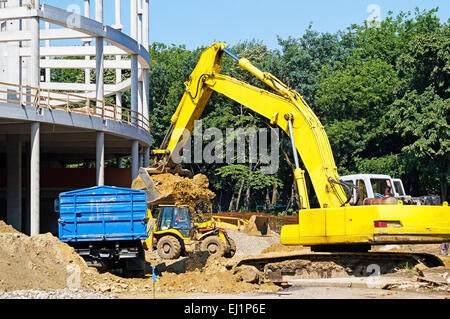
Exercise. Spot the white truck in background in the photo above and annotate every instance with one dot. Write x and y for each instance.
(381, 186)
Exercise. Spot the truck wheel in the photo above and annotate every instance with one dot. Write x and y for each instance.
(213, 245)
(168, 247)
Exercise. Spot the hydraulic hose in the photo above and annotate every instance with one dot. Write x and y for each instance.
(348, 187)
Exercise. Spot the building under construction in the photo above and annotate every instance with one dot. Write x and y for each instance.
(58, 136)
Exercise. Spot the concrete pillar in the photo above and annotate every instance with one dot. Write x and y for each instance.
(145, 24)
(99, 65)
(134, 88)
(87, 42)
(99, 78)
(146, 96)
(34, 178)
(100, 159)
(14, 181)
(47, 44)
(146, 162)
(34, 71)
(134, 160)
(133, 19)
(145, 43)
(118, 26)
(99, 10)
(140, 102)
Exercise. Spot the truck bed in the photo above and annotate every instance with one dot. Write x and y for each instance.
(102, 213)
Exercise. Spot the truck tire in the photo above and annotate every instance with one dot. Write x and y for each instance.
(168, 247)
(213, 245)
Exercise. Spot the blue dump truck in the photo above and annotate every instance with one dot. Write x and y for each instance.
(106, 226)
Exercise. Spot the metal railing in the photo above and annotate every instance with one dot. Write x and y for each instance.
(70, 102)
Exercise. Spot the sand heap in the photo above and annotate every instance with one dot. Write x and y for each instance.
(180, 190)
(38, 262)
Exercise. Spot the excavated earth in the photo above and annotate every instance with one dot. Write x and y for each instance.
(192, 192)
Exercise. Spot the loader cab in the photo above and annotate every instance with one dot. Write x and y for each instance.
(173, 217)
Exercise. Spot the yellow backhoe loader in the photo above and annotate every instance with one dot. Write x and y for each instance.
(174, 233)
(336, 231)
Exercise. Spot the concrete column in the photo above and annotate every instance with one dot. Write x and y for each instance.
(118, 26)
(140, 102)
(99, 10)
(34, 69)
(133, 19)
(14, 181)
(134, 160)
(145, 24)
(100, 159)
(146, 96)
(99, 65)
(87, 42)
(145, 43)
(47, 44)
(141, 159)
(134, 88)
(146, 162)
(99, 69)
(34, 179)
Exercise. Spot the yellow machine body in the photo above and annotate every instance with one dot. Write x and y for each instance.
(357, 225)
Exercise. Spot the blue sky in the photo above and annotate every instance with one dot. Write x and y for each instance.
(197, 23)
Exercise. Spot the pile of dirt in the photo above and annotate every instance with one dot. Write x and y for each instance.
(38, 262)
(5, 228)
(191, 192)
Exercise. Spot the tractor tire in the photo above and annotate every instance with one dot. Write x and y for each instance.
(168, 247)
(232, 251)
(213, 245)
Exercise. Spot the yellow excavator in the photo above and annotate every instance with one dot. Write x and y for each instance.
(336, 231)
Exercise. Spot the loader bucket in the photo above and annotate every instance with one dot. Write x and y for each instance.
(258, 226)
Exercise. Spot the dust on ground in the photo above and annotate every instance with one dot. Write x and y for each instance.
(180, 190)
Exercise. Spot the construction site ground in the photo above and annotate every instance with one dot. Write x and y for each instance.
(43, 267)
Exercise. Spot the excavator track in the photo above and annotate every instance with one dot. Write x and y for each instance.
(284, 267)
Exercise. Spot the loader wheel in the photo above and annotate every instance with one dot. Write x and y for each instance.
(168, 247)
(213, 245)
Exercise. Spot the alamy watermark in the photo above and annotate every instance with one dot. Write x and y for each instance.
(263, 146)
(73, 280)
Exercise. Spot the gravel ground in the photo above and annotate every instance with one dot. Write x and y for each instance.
(252, 245)
(56, 294)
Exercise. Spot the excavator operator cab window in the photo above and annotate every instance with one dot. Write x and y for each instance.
(381, 188)
(362, 191)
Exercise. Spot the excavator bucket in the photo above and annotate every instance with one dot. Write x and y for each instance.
(145, 182)
(258, 226)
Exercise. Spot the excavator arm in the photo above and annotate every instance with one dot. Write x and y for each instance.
(283, 107)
